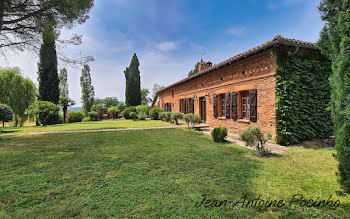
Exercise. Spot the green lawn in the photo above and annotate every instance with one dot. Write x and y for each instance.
(105, 124)
(156, 174)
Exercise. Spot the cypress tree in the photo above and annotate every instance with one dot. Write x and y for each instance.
(87, 90)
(47, 67)
(133, 84)
(335, 42)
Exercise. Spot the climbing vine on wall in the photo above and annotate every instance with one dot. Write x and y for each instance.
(302, 98)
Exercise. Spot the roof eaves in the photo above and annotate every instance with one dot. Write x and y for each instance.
(276, 40)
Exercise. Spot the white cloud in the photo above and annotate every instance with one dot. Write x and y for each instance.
(167, 46)
(236, 31)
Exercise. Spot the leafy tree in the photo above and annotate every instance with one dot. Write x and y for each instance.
(335, 42)
(107, 101)
(6, 114)
(65, 102)
(21, 20)
(63, 85)
(145, 100)
(47, 67)
(133, 84)
(17, 92)
(142, 108)
(87, 90)
(195, 70)
(176, 116)
(42, 111)
(95, 107)
(110, 101)
(121, 106)
(156, 88)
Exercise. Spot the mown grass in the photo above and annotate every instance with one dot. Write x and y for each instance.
(156, 174)
(105, 124)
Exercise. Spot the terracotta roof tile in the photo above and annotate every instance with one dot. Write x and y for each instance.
(278, 39)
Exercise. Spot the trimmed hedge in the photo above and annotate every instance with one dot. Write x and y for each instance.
(219, 134)
(302, 98)
(75, 116)
(126, 112)
(154, 113)
(175, 116)
(93, 116)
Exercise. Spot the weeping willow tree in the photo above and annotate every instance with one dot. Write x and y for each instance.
(16, 92)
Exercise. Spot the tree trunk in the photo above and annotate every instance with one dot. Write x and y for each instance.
(2, 10)
(3, 124)
(64, 113)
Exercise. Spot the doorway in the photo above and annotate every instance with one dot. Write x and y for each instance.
(203, 108)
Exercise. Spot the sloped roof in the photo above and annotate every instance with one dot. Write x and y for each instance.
(278, 39)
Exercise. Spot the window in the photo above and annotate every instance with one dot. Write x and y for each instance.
(236, 105)
(185, 105)
(245, 105)
(191, 100)
(222, 105)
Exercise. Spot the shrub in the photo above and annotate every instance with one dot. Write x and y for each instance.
(115, 111)
(141, 108)
(167, 116)
(142, 116)
(93, 116)
(192, 119)
(75, 116)
(121, 106)
(133, 115)
(162, 115)
(126, 112)
(95, 107)
(154, 113)
(45, 112)
(86, 119)
(61, 117)
(253, 136)
(219, 134)
(176, 116)
(6, 114)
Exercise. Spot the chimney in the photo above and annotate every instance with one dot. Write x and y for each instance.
(204, 65)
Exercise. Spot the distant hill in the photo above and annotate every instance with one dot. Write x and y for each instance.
(75, 109)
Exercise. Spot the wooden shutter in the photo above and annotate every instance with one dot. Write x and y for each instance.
(215, 105)
(192, 105)
(227, 105)
(186, 105)
(253, 105)
(234, 96)
(180, 105)
(169, 107)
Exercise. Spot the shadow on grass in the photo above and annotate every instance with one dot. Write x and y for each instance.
(158, 173)
(9, 131)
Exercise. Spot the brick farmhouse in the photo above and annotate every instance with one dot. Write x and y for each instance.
(236, 93)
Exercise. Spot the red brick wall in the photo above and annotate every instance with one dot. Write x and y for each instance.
(255, 72)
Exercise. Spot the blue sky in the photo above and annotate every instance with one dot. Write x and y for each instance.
(168, 35)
